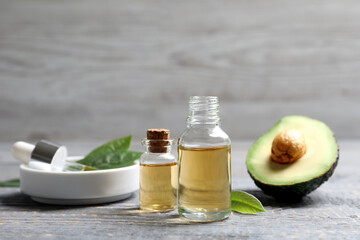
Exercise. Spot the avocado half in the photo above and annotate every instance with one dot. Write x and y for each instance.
(292, 181)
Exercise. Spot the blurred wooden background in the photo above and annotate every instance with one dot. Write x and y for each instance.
(80, 70)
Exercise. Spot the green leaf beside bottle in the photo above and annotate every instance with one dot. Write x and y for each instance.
(112, 154)
(245, 203)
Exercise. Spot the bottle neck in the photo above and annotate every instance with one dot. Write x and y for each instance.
(152, 149)
(203, 110)
(157, 146)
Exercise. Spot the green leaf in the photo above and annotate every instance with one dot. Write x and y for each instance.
(113, 154)
(10, 183)
(110, 160)
(78, 167)
(72, 168)
(88, 168)
(243, 202)
(115, 145)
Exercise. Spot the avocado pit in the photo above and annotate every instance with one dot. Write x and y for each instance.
(288, 146)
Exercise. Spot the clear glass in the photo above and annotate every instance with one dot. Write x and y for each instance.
(204, 153)
(158, 177)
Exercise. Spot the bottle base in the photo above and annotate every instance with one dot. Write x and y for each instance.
(157, 210)
(203, 217)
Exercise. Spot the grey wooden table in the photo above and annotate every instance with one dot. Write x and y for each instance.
(331, 212)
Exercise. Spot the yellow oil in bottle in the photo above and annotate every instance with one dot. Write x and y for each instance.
(158, 186)
(204, 180)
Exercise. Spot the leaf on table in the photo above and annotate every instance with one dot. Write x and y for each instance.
(243, 202)
(110, 160)
(10, 183)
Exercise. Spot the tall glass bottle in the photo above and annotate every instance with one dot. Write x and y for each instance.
(204, 179)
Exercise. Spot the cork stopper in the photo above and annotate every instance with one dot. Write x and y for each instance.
(155, 136)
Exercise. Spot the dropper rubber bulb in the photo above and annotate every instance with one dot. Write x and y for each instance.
(43, 151)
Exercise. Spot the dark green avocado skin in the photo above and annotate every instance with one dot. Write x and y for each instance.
(292, 193)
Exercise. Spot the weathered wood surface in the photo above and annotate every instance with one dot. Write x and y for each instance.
(331, 212)
(102, 69)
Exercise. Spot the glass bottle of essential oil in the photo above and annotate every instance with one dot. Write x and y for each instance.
(158, 172)
(204, 149)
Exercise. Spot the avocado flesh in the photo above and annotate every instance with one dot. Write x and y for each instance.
(299, 178)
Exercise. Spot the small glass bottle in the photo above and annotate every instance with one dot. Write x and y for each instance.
(158, 172)
(204, 181)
